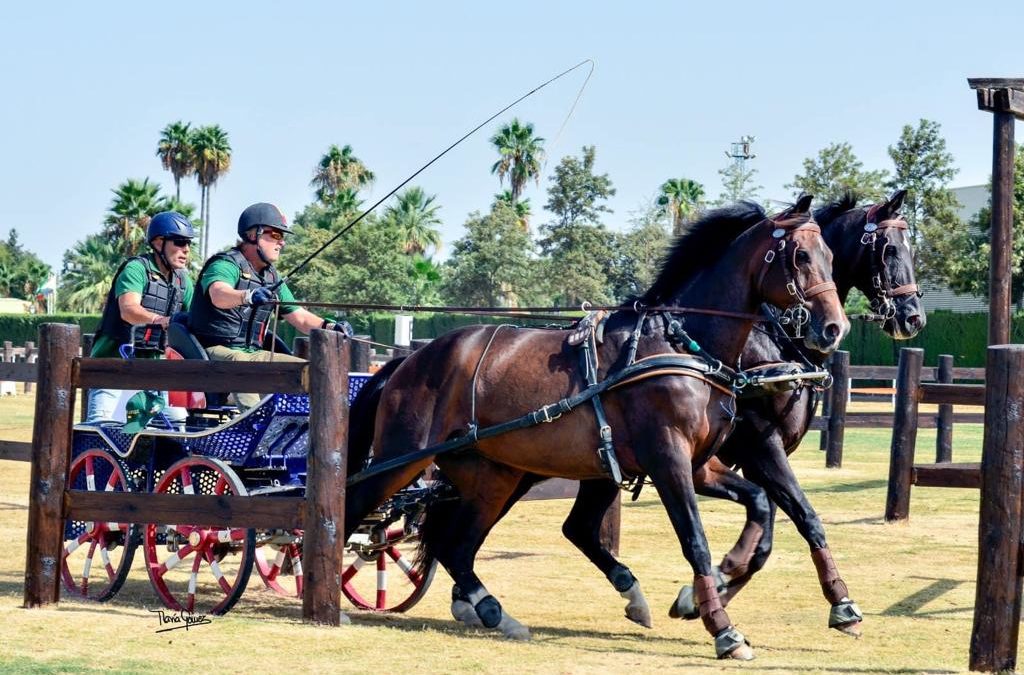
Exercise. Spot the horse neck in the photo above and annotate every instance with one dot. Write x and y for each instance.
(842, 236)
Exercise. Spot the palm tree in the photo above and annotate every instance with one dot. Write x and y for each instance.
(522, 208)
(683, 199)
(176, 153)
(128, 215)
(338, 170)
(521, 155)
(88, 274)
(213, 160)
(414, 214)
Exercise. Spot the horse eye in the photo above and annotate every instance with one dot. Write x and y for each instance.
(802, 257)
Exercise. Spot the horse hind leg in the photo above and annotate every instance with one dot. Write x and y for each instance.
(583, 528)
(454, 530)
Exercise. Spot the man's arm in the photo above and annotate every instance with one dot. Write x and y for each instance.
(303, 319)
(132, 311)
(224, 296)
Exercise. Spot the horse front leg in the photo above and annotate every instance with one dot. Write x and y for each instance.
(672, 475)
(748, 554)
(772, 471)
(583, 528)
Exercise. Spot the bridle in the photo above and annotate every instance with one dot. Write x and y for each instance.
(796, 314)
(882, 304)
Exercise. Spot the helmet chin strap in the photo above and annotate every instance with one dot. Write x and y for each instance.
(256, 242)
(163, 257)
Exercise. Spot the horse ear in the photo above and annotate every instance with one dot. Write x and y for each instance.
(803, 204)
(896, 201)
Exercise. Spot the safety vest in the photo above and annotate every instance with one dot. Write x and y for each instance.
(242, 326)
(159, 295)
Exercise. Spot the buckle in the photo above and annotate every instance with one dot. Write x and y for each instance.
(791, 287)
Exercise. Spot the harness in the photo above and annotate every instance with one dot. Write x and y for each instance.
(882, 304)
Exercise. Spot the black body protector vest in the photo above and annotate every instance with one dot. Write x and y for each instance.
(243, 326)
(159, 295)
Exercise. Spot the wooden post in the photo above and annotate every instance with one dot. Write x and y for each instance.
(324, 539)
(944, 421)
(87, 340)
(1001, 233)
(904, 435)
(361, 354)
(300, 347)
(826, 410)
(51, 450)
(998, 595)
(31, 356)
(837, 420)
(8, 357)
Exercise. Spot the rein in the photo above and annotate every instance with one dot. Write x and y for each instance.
(882, 304)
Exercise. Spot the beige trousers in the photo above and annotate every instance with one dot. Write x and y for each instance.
(245, 400)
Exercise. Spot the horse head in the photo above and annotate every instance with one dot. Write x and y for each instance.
(795, 273)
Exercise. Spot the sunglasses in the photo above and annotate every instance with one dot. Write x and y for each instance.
(274, 234)
(180, 242)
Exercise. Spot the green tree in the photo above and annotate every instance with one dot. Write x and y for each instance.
(522, 207)
(493, 264)
(339, 169)
(578, 257)
(88, 273)
(176, 152)
(414, 214)
(835, 170)
(924, 169)
(738, 183)
(576, 192)
(212, 161)
(134, 203)
(959, 256)
(521, 155)
(639, 252)
(683, 199)
(21, 271)
(425, 281)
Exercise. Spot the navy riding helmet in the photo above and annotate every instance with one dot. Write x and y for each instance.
(262, 215)
(169, 224)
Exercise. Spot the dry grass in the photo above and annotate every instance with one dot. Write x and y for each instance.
(915, 584)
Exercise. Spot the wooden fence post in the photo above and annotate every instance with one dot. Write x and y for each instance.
(998, 595)
(324, 539)
(31, 356)
(826, 410)
(837, 420)
(300, 347)
(944, 420)
(904, 435)
(51, 449)
(361, 354)
(87, 340)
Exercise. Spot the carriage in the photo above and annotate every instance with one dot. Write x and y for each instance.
(216, 451)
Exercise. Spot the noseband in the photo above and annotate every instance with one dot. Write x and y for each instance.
(882, 304)
(796, 314)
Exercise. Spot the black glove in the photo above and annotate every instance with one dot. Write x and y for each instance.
(343, 327)
(258, 296)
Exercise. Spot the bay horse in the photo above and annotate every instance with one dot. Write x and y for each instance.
(664, 424)
(872, 252)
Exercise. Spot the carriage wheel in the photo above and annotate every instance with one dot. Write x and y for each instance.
(97, 555)
(385, 579)
(199, 568)
(279, 564)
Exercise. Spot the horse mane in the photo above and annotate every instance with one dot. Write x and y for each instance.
(828, 213)
(700, 246)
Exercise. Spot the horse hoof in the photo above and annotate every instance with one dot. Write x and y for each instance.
(514, 630)
(637, 609)
(730, 644)
(343, 619)
(464, 612)
(684, 607)
(851, 629)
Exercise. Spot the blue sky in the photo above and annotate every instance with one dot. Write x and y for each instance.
(88, 87)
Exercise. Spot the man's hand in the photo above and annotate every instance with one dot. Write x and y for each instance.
(343, 327)
(258, 296)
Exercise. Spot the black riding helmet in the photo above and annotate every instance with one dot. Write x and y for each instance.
(262, 215)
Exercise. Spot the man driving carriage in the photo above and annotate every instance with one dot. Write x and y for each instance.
(147, 289)
(232, 312)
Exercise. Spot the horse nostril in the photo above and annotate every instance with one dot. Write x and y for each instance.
(832, 332)
(914, 321)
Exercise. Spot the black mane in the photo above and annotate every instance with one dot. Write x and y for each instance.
(828, 213)
(700, 246)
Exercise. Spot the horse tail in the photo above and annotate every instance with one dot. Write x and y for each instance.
(434, 528)
(362, 416)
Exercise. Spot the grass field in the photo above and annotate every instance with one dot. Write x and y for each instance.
(914, 583)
